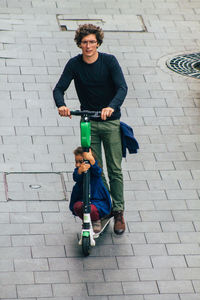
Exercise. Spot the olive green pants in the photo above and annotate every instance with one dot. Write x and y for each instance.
(108, 134)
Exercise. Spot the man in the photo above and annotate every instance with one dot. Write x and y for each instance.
(100, 86)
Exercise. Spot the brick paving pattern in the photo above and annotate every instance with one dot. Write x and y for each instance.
(158, 257)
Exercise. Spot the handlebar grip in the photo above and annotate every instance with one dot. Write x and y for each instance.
(94, 114)
(75, 112)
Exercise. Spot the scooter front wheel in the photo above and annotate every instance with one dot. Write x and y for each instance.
(86, 245)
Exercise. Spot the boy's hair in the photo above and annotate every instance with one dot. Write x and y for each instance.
(78, 151)
(86, 29)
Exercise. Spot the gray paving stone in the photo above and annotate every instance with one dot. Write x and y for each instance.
(190, 215)
(27, 265)
(113, 288)
(40, 290)
(186, 273)
(154, 216)
(4, 217)
(45, 228)
(162, 297)
(151, 165)
(150, 195)
(134, 262)
(193, 260)
(10, 229)
(181, 194)
(197, 226)
(140, 287)
(177, 226)
(69, 289)
(38, 206)
(13, 207)
(191, 237)
(144, 226)
(10, 278)
(175, 286)
(183, 249)
(8, 291)
(162, 237)
(29, 130)
(171, 184)
(48, 251)
(129, 238)
(51, 277)
(60, 239)
(85, 276)
(15, 252)
(6, 265)
(55, 217)
(63, 264)
(5, 241)
(139, 205)
(155, 274)
(121, 275)
(28, 240)
(126, 297)
(149, 249)
(168, 261)
(196, 284)
(191, 296)
(170, 205)
(56, 298)
(25, 218)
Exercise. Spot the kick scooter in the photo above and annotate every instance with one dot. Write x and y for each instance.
(88, 236)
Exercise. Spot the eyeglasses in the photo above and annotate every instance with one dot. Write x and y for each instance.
(92, 42)
(80, 161)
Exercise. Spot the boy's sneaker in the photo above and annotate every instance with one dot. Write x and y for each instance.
(119, 223)
(96, 226)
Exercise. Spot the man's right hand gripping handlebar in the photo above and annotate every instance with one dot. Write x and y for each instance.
(64, 111)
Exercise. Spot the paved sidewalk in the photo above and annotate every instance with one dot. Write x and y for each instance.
(158, 258)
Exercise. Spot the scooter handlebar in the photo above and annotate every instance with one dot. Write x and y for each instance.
(94, 114)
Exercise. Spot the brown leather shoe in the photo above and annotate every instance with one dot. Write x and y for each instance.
(119, 223)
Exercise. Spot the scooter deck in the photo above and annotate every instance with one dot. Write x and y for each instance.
(104, 223)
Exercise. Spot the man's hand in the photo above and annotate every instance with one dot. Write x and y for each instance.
(106, 113)
(64, 111)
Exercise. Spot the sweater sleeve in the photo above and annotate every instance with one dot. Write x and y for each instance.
(63, 84)
(77, 177)
(96, 170)
(119, 82)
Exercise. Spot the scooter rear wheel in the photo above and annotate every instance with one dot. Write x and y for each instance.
(86, 245)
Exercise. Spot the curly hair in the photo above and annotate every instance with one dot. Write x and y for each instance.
(86, 29)
(79, 151)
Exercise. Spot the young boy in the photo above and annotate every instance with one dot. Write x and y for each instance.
(99, 197)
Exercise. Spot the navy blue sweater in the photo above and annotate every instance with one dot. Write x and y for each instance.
(98, 85)
(100, 196)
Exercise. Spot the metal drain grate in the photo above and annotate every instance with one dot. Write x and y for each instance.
(187, 64)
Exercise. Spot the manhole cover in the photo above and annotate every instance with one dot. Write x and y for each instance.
(187, 64)
(36, 186)
(114, 23)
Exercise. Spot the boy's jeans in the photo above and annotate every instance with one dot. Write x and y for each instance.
(108, 133)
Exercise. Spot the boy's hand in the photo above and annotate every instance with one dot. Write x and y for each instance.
(83, 168)
(64, 111)
(89, 156)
